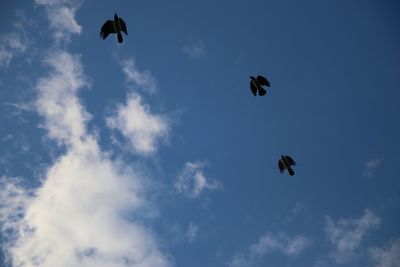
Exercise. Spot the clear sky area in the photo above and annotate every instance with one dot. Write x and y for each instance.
(154, 152)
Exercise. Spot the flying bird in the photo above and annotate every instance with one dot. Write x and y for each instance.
(285, 162)
(114, 26)
(257, 83)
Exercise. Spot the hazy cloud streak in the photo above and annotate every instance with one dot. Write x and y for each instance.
(142, 79)
(61, 16)
(346, 234)
(194, 50)
(191, 182)
(269, 243)
(389, 256)
(192, 231)
(371, 166)
(10, 45)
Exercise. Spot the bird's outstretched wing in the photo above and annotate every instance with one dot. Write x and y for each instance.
(253, 88)
(281, 166)
(106, 29)
(261, 91)
(123, 26)
(290, 160)
(262, 80)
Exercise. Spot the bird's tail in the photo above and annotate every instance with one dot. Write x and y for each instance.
(261, 91)
(291, 172)
(119, 37)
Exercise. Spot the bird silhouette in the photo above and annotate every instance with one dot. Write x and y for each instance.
(285, 162)
(257, 83)
(114, 26)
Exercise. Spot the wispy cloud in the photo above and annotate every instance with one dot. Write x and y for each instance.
(299, 209)
(194, 49)
(11, 44)
(282, 243)
(134, 119)
(192, 182)
(141, 79)
(64, 116)
(389, 256)
(5, 57)
(371, 166)
(54, 2)
(61, 16)
(270, 243)
(14, 199)
(138, 125)
(63, 20)
(192, 231)
(346, 235)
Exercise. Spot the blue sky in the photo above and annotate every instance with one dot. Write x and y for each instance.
(154, 152)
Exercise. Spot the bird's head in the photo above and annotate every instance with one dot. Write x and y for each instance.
(282, 157)
(251, 77)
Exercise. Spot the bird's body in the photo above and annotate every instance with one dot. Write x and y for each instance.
(285, 162)
(114, 26)
(256, 84)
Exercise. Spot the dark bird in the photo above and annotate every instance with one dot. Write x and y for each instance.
(257, 83)
(114, 26)
(285, 162)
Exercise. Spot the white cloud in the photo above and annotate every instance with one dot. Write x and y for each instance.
(136, 122)
(346, 234)
(388, 256)
(270, 243)
(57, 101)
(192, 231)
(63, 19)
(370, 166)
(191, 182)
(61, 15)
(194, 50)
(84, 205)
(90, 209)
(142, 79)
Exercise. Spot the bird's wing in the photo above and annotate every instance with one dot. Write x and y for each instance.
(253, 88)
(281, 165)
(106, 29)
(262, 80)
(123, 26)
(261, 91)
(290, 160)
